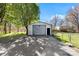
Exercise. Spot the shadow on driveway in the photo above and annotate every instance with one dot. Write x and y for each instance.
(32, 46)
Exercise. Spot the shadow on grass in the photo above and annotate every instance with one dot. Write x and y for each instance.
(57, 37)
(11, 38)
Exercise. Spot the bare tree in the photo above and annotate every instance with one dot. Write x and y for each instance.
(73, 17)
(54, 21)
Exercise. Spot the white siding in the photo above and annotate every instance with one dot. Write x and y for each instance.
(29, 29)
(41, 31)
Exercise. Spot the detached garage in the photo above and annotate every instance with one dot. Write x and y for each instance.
(40, 28)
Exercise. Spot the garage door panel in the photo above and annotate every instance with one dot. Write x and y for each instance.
(39, 30)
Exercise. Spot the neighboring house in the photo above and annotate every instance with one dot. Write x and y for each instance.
(40, 28)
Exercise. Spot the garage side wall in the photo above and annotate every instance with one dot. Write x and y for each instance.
(29, 29)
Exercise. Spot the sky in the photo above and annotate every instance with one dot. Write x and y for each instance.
(48, 10)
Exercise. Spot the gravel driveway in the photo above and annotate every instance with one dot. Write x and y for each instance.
(35, 46)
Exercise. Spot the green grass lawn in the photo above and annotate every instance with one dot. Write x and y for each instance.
(65, 38)
(11, 36)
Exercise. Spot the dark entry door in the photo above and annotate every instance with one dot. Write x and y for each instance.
(48, 31)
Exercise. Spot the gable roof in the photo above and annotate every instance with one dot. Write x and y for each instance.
(41, 22)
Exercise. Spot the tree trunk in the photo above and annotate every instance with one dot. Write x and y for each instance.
(9, 28)
(26, 30)
(17, 29)
(77, 29)
(5, 27)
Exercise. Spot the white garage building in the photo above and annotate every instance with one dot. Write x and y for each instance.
(40, 28)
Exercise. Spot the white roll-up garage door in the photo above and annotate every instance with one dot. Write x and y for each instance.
(39, 30)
